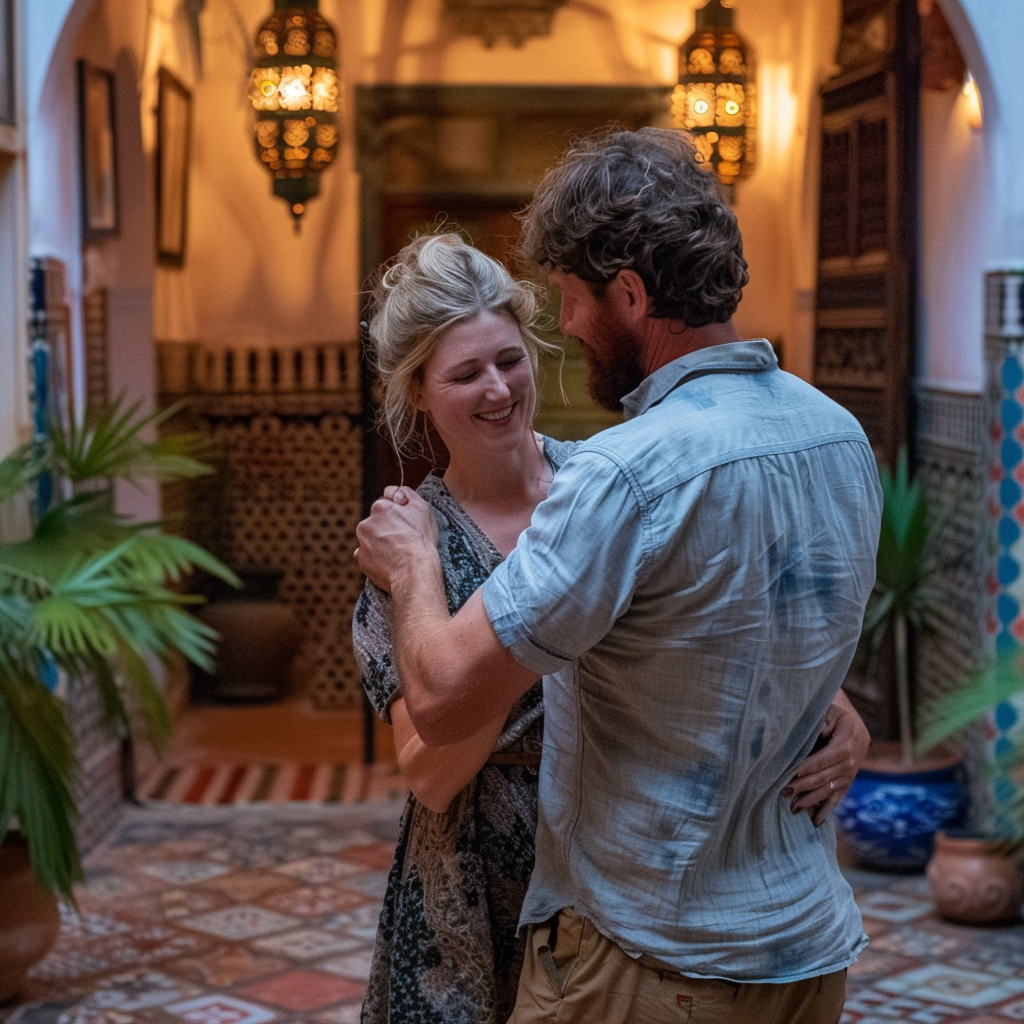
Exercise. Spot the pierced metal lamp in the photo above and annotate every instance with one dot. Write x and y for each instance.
(294, 90)
(715, 100)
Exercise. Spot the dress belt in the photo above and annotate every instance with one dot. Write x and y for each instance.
(519, 757)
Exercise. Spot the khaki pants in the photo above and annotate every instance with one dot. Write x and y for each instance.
(588, 979)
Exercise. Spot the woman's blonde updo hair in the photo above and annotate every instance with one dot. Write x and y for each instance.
(434, 283)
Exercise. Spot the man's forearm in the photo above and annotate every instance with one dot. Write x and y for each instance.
(456, 676)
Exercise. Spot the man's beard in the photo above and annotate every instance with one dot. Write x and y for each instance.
(609, 382)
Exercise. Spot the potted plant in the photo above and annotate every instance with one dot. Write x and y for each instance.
(898, 802)
(89, 599)
(975, 873)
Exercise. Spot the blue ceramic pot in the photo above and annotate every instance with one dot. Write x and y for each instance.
(891, 814)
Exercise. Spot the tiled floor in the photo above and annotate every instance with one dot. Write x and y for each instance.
(267, 913)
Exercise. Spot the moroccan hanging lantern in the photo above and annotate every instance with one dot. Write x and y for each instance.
(715, 100)
(294, 91)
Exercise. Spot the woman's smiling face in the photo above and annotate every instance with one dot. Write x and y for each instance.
(478, 386)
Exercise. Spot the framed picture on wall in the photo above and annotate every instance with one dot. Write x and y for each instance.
(97, 151)
(173, 133)
(7, 104)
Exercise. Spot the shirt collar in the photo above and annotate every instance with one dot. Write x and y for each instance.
(734, 357)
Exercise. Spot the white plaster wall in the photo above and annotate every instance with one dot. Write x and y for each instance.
(955, 240)
(972, 193)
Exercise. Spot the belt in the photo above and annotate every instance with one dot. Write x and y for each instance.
(519, 757)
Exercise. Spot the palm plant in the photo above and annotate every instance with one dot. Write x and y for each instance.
(905, 595)
(996, 682)
(94, 596)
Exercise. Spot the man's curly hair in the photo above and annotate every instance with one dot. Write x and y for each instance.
(641, 201)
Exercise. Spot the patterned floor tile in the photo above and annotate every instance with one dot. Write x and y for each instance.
(360, 923)
(917, 942)
(294, 901)
(184, 872)
(938, 982)
(375, 856)
(348, 1014)
(874, 963)
(182, 902)
(372, 883)
(317, 870)
(241, 922)
(316, 901)
(138, 990)
(890, 906)
(351, 965)
(305, 944)
(220, 1009)
(304, 990)
(225, 966)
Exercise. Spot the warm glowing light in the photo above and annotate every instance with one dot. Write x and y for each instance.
(716, 98)
(972, 102)
(295, 90)
(779, 114)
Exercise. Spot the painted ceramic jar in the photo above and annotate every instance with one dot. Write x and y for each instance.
(890, 816)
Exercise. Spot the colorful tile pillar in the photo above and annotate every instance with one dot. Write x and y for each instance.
(1004, 352)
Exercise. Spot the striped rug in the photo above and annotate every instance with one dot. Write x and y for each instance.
(276, 782)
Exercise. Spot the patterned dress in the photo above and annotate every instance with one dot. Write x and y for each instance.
(447, 950)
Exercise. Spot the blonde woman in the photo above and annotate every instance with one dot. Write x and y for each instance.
(454, 341)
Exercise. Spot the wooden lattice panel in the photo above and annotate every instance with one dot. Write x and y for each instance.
(287, 494)
(288, 497)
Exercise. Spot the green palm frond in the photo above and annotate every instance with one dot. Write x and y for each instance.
(37, 766)
(95, 594)
(980, 692)
(20, 468)
(110, 445)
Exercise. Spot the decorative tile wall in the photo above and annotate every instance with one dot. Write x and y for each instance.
(1004, 351)
(287, 441)
(952, 465)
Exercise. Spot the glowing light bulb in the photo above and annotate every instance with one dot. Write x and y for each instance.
(293, 91)
(732, 108)
(701, 106)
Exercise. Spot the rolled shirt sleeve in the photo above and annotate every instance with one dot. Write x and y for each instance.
(574, 571)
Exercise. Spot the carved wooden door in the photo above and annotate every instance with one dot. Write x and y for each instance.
(864, 331)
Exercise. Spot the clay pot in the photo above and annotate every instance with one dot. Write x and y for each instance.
(258, 640)
(973, 881)
(29, 916)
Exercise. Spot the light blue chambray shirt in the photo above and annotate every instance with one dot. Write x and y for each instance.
(694, 586)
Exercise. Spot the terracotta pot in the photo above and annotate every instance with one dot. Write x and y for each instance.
(29, 917)
(258, 640)
(973, 881)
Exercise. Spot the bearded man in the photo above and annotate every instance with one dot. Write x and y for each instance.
(693, 589)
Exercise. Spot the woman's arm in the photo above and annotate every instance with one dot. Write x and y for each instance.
(437, 774)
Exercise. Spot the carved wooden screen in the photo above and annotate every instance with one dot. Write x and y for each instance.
(864, 336)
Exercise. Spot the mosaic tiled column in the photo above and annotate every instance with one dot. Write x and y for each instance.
(1004, 349)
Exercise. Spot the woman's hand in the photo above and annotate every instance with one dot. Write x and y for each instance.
(825, 776)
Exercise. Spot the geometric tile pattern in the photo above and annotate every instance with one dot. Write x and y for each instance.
(1005, 618)
(222, 915)
(297, 947)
